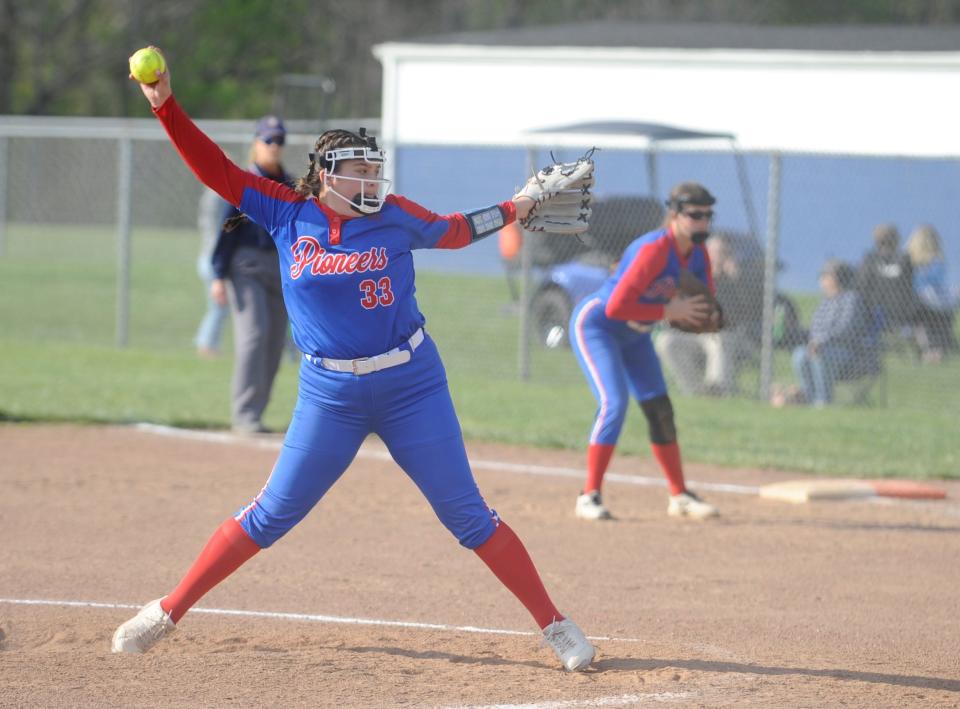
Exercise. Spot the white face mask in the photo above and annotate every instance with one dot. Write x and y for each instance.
(361, 199)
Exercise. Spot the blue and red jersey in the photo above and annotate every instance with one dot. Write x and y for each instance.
(245, 234)
(647, 277)
(348, 282)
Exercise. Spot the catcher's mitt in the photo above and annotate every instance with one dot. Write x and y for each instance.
(689, 286)
(561, 195)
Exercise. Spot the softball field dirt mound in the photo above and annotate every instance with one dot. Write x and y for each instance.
(369, 601)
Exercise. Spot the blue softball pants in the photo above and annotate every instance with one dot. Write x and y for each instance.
(617, 362)
(410, 409)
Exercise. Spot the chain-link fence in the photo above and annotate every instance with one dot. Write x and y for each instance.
(810, 254)
(822, 262)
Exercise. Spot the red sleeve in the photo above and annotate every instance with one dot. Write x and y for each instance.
(452, 231)
(459, 234)
(646, 266)
(209, 163)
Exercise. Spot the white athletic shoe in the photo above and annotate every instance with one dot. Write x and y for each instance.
(144, 630)
(572, 647)
(686, 504)
(590, 506)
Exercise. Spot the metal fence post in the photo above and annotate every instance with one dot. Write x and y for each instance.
(745, 190)
(771, 257)
(124, 188)
(4, 162)
(526, 262)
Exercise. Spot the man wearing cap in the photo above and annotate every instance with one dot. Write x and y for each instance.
(246, 267)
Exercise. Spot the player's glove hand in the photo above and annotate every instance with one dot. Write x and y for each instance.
(706, 315)
(561, 197)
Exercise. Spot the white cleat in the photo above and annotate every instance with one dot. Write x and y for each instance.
(144, 630)
(686, 504)
(572, 647)
(590, 506)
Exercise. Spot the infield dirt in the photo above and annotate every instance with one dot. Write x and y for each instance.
(851, 603)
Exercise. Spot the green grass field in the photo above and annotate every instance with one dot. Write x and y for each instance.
(59, 363)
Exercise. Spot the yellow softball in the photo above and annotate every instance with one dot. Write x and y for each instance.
(145, 63)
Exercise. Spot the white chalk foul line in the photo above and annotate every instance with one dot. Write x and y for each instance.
(498, 465)
(307, 617)
(617, 701)
(620, 700)
(273, 443)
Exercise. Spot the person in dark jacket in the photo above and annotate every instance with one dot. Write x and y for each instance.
(885, 280)
(841, 338)
(245, 258)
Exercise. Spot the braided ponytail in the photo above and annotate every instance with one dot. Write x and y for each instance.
(310, 184)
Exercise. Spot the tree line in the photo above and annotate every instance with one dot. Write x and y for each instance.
(243, 58)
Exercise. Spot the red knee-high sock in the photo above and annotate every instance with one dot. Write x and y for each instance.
(598, 458)
(508, 559)
(668, 455)
(227, 550)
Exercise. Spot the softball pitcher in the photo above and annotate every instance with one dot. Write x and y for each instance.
(610, 335)
(369, 365)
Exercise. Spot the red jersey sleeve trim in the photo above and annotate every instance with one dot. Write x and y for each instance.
(209, 163)
(647, 264)
(415, 210)
(462, 234)
(458, 232)
(509, 209)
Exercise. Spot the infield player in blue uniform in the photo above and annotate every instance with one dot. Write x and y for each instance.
(369, 366)
(610, 335)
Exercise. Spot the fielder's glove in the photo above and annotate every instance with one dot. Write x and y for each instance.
(561, 195)
(690, 286)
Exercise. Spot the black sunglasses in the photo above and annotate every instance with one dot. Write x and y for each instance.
(697, 214)
(275, 140)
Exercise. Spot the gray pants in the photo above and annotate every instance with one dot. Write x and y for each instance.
(703, 364)
(259, 332)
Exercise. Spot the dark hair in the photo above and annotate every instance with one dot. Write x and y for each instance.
(689, 193)
(886, 236)
(309, 185)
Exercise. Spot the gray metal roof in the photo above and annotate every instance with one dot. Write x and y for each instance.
(653, 131)
(695, 35)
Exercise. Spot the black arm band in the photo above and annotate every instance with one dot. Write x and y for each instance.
(484, 222)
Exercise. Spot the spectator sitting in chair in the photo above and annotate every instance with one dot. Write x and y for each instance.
(709, 363)
(933, 322)
(842, 343)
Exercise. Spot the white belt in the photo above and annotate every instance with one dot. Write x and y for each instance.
(367, 365)
(639, 326)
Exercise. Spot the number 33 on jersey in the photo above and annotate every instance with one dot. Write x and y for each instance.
(310, 257)
(376, 293)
